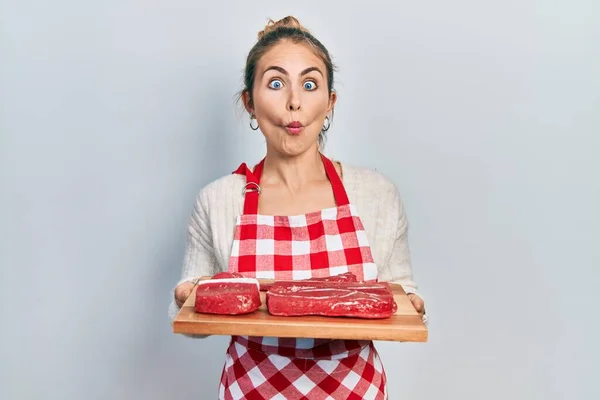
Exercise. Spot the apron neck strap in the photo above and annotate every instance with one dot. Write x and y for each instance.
(252, 187)
(341, 198)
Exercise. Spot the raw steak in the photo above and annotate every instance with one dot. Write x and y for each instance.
(230, 296)
(222, 275)
(331, 299)
(345, 277)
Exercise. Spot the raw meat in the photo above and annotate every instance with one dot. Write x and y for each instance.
(232, 296)
(345, 277)
(331, 299)
(222, 275)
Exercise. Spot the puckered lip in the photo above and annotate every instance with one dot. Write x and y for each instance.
(294, 124)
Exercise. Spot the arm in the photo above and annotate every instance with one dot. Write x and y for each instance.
(399, 261)
(199, 258)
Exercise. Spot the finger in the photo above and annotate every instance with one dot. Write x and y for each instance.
(184, 294)
(418, 304)
(419, 307)
(181, 295)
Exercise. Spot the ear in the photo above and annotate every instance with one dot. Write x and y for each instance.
(332, 100)
(247, 102)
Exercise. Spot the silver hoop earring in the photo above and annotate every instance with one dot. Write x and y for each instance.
(326, 127)
(251, 119)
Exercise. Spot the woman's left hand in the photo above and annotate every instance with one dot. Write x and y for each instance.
(417, 303)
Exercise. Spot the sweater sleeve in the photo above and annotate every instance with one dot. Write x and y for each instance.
(199, 257)
(399, 261)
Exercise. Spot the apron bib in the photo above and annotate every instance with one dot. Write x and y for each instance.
(318, 244)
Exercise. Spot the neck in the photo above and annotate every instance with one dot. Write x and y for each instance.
(294, 172)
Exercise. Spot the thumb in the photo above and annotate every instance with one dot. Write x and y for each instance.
(186, 292)
(417, 302)
(181, 294)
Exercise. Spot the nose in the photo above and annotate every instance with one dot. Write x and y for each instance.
(293, 103)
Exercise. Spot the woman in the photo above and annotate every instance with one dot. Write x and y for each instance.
(297, 215)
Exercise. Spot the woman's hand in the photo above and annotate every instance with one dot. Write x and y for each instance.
(182, 292)
(417, 303)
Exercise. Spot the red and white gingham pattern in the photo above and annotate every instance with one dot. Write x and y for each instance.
(324, 243)
(315, 349)
(250, 374)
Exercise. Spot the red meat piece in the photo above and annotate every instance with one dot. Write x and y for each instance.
(331, 299)
(227, 275)
(232, 296)
(345, 277)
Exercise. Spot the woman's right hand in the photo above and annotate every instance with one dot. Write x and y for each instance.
(182, 292)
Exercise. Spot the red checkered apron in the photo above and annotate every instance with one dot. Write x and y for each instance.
(318, 244)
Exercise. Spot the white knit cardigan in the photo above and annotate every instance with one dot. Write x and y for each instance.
(212, 224)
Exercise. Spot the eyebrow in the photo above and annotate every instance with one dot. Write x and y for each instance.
(283, 71)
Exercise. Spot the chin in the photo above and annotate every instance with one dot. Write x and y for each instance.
(292, 148)
(291, 145)
(292, 152)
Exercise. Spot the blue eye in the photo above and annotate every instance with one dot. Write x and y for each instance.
(275, 84)
(310, 85)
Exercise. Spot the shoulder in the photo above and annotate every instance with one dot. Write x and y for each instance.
(367, 179)
(224, 184)
(224, 187)
(368, 187)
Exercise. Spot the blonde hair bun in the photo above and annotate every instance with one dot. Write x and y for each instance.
(286, 22)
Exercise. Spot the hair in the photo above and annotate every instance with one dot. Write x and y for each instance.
(289, 29)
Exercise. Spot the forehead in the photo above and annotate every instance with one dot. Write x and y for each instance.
(294, 57)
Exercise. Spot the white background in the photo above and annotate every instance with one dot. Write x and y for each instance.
(113, 115)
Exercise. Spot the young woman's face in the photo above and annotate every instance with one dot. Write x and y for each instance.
(291, 98)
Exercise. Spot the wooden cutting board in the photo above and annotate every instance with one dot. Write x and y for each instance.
(404, 326)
